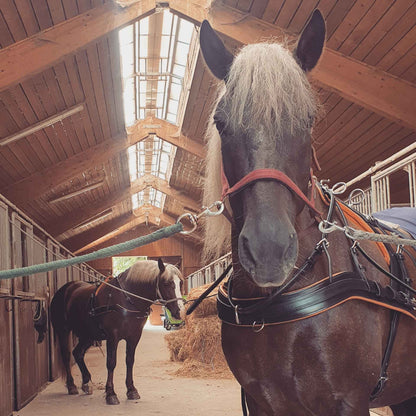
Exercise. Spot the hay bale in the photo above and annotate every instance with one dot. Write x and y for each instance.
(198, 344)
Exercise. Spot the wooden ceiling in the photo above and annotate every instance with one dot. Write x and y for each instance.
(72, 176)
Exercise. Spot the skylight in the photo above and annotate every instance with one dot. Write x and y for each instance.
(154, 53)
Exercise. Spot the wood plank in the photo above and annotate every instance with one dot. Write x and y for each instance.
(27, 16)
(364, 26)
(399, 29)
(40, 182)
(384, 24)
(49, 46)
(336, 14)
(398, 57)
(97, 85)
(107, 81)
(69, 99)
(358, 82)
(60, 225)
(87, 86)
(301, 16)
(258, 8)
(56, 11)
(348, 24)
(82, 240)
(6, 38)
(286, 13)
(13, 21)
(272, 10)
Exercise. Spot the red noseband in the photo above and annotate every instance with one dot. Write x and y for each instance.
(273, 174)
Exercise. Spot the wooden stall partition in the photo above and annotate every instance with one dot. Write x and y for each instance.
(41, 288)
(6, 346)
(53, 284)
(25, 353)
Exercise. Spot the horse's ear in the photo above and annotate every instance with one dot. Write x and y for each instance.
(311, 42)
(216, 55)
(161, 265)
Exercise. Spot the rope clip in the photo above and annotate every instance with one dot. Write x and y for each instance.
(216, 208)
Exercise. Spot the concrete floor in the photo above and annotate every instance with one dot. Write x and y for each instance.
(161, 392)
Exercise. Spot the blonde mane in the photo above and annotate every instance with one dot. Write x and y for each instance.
(266, 89)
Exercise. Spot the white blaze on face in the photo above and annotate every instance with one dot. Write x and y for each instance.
(178, 293)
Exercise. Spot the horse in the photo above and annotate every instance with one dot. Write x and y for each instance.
(337, 360)
(117, 309)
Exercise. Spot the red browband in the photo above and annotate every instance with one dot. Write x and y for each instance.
(274, 174)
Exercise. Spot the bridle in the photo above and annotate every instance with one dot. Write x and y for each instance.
(268, 174)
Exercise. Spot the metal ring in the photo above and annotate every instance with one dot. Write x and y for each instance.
(357, 191)
(191, 218)
(339, 188)
(258, 330)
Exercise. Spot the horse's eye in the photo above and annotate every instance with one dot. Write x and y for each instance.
(219, 124)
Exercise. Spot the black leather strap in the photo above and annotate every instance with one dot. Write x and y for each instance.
(310, 301)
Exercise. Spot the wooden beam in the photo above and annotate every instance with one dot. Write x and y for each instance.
(163, 186)
(71, 220)
(371, 88)
(77, 192)
(166, 131)
(42, 124)
(32, 187)
(87, 212)
(91, 235)
(30, 56)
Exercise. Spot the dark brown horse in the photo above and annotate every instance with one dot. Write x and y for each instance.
(321, 364)
(112, 314)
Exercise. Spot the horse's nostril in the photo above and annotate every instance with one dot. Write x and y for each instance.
(246, 252)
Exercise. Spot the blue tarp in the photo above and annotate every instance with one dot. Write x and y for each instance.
(403, 216)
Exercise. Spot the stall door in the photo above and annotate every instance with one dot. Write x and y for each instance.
(23, 312)
(6, 352)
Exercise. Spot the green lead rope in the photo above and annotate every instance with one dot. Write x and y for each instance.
(99, 254)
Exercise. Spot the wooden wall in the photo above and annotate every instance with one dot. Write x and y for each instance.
(25, 365)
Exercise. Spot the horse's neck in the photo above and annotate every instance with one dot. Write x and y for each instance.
(145, 289)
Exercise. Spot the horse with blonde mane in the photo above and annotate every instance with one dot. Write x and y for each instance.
(341, 340)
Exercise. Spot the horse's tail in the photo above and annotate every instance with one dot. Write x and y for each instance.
(61, 327)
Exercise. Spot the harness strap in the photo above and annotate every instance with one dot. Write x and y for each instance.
(313, 300)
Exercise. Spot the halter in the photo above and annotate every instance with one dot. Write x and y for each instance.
(273, 174)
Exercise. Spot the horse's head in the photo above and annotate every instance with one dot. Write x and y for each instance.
(171, 287)
(264, 118)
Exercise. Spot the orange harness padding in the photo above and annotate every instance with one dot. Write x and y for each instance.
(102, 284)
(355, 221)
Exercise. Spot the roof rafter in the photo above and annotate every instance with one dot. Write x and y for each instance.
(166, 131)
(51, 45)
(34, 186)
(358, 82)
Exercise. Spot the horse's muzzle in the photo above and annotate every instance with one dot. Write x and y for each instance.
(267, 253)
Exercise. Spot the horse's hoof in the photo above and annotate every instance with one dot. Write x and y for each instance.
(87, 389)
(112, 399)
(72, 390)
(133, 395)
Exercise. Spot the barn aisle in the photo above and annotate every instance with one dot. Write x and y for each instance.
(161, 392)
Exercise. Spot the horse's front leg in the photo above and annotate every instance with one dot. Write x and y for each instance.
(132, 393)
(79, 353)
(110, 395)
